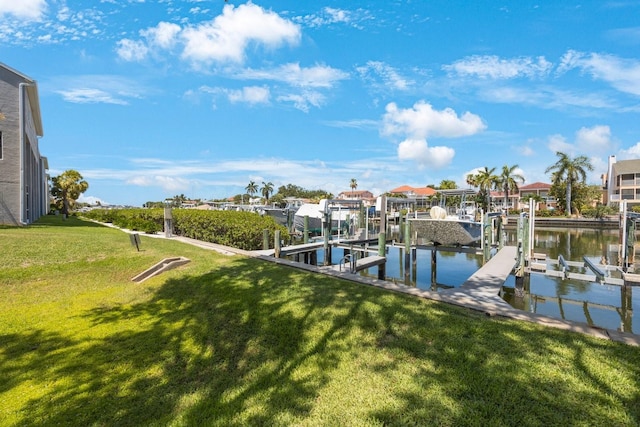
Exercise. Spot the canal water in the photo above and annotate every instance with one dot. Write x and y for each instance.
(593, 303)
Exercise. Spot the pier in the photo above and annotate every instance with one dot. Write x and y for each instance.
(482, 290)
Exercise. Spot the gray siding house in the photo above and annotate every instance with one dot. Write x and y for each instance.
(24, 189)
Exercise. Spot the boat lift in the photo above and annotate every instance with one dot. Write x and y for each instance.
(601, 273)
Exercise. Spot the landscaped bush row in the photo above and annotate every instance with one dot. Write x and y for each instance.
(143, 220)
(242, 230)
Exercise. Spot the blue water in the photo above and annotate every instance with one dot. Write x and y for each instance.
(607, 306)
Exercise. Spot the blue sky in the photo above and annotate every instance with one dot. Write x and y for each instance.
(148, 99)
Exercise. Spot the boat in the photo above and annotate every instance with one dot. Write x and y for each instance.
(343, 214)
(439, 228)
(283, 216)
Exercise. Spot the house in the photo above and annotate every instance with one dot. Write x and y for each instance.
(24, 189)
(422, 195)
(356, 195)
(621, 182)
(417, 192)
(540, 192)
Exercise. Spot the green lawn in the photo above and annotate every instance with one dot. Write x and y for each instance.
(229, 340)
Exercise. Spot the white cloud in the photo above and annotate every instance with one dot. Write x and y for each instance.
(90, 96)
(304, 100)
(302, 93)
(632, 152)
(337, 15)
(92, 200)
(493, 67)
(163, 35)
(419, 151)
(422, 121)
(167, 183)
(225, 38)
(23, 9)
(98, 88)
(558, 143)
(591, 141)
(597, 138)
(328, 16)
(132, 50)
(389, 75)
(623, 74)
(318, 76)
(525, 150)
(250, 95)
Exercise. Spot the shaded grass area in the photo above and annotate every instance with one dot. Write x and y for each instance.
(239, 341)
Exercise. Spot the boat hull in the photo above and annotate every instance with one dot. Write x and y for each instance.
(446, 232)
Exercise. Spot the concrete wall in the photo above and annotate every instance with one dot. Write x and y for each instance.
(23, 183)
(10, 163)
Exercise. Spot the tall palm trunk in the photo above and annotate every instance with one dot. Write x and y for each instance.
(568, 195)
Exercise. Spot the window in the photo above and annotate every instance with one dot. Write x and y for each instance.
(627, 194)
(627, 180)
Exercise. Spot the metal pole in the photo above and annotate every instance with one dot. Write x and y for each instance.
(277, 243)
(407, 247)
(382, 251)
(532, 226)
(623, 240)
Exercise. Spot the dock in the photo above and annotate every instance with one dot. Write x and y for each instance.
(484, 285)
(359, 264)
(593, 272)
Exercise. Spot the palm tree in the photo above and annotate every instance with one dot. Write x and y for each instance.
(252, 188)
(353, 185)
(267, 188)
(572, 171)
(486, 181)
(67, 188)
(508, 181)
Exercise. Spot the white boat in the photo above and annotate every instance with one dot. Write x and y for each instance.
(284, 216)
(342, 213)
(460, 229)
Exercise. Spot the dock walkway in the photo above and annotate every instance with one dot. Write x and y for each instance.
(485, 284)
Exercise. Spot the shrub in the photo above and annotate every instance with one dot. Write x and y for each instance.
(598, 212)
(242, 230)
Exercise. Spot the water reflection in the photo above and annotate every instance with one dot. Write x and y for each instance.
(600, 305)
(591, 302)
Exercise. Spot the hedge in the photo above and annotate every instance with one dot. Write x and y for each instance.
(242, 230)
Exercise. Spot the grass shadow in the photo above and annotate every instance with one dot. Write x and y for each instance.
(252, 343)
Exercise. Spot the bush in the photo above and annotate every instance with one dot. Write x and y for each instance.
(598, 212)
(242, 230)
(544, 214)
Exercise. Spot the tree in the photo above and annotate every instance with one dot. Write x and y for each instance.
(267, 189)
(508, 181)
(353, 184)
(485, 180)
(586, 196)
(178, 200)
(568, 172)
(66, 188)
(252, 188)
(447, 184)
